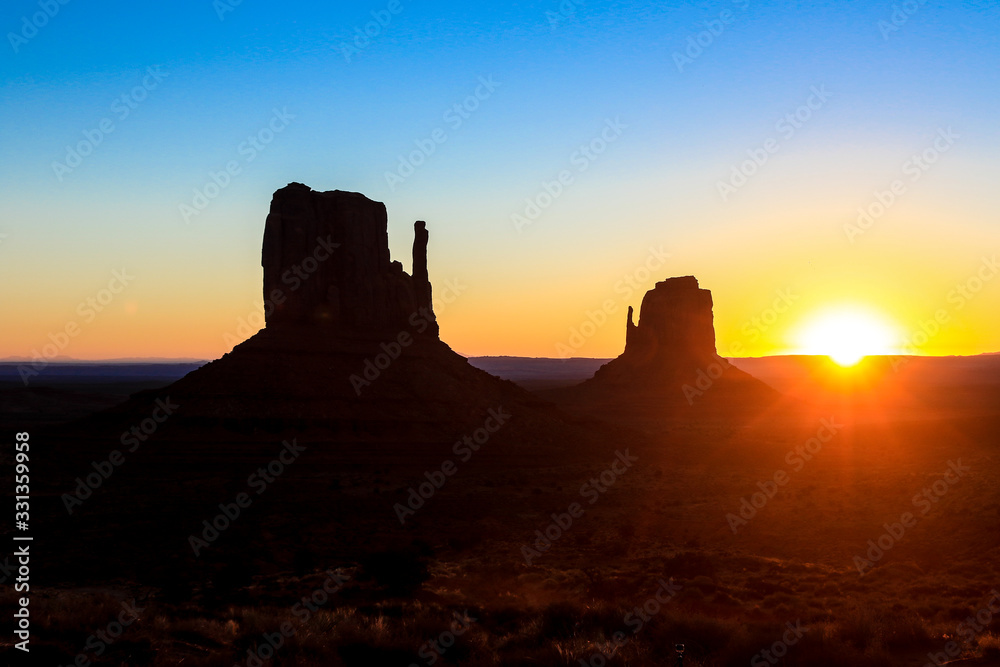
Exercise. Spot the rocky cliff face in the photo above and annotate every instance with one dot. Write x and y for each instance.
(669, 366)
(675, 335)
(326, 261)
(350, 348)
(675, 325)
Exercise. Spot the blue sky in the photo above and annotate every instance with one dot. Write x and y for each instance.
(562, 72)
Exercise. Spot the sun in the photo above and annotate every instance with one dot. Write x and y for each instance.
(847, 335)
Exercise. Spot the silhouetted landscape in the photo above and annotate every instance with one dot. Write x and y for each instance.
(559, 333)
(344, 489)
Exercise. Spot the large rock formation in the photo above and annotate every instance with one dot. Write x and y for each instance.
(351, 347)
(350, 370)
(326, 261)
(675, 328)
(674, 339)
(669, 362)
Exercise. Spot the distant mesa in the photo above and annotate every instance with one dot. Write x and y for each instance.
(675, 333)
(669, 361)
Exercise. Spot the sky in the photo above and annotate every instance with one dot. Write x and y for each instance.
(801, 159)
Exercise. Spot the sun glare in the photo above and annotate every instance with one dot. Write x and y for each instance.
(847, 335)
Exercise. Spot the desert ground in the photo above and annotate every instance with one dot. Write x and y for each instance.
(853, 520)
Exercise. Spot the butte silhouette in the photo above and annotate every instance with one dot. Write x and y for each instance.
(670, 367)
(351, 344)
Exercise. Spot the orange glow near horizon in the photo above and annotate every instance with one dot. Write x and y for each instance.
(847, 334)
(768, 292)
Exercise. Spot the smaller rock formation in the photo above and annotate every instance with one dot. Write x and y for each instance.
(675, 335)
(668, 368)
(421, 283)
